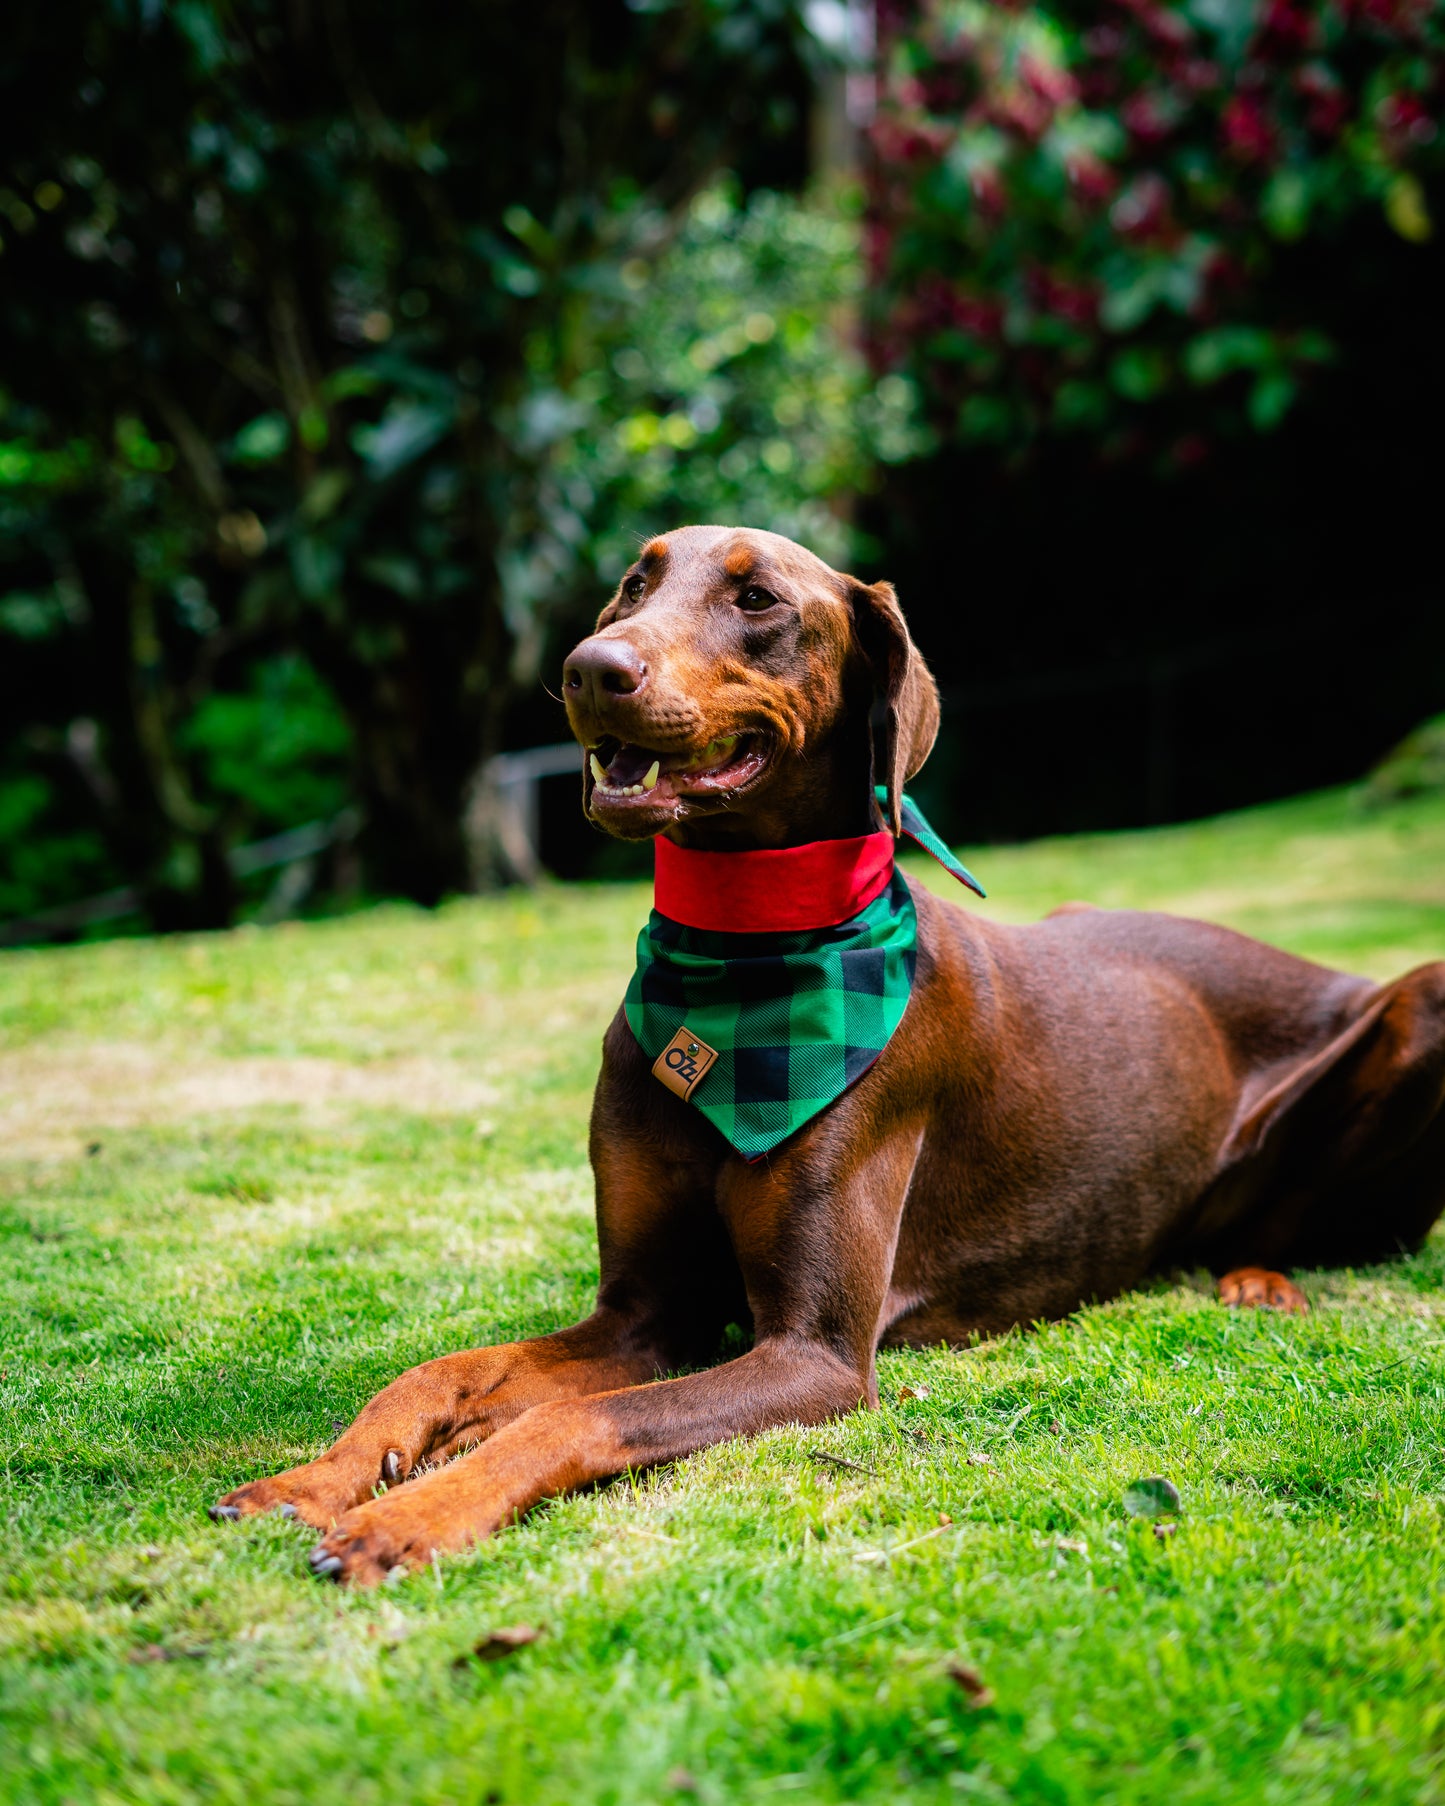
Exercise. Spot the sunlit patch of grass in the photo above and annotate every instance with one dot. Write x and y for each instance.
(1320, 875)
(230, 1272)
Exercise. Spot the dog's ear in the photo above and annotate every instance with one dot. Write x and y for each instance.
(904, 723)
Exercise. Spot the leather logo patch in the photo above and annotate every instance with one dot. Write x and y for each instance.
(684, 1063)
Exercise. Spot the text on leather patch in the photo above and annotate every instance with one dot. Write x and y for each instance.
(684, 1063)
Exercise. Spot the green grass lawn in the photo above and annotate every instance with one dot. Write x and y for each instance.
(246, 1178)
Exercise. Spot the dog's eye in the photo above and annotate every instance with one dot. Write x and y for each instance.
(755, 599)
(634, 587)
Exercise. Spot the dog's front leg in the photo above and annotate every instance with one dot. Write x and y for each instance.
(668, 1287)
(558, 1447)
(815, 1245)
(431, 1411)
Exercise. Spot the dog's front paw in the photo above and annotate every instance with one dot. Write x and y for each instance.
(373, 1542)
(317, 1493)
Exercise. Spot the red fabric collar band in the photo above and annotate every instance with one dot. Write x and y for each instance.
(778, 890)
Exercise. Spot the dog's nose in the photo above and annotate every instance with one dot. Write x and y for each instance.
(600, 668)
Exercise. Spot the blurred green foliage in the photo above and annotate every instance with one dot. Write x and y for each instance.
(287, 293)
(278, 751)
(344, 363)
(1080, 214)
(718, 380)
(713, 375)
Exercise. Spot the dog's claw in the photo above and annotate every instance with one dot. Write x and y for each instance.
(323, 1564)
(225, 1513)
(288, 1510)
(391, 1467)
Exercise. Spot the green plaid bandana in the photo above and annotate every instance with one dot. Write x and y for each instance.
(793, 1019)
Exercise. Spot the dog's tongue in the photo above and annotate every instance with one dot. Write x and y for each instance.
(630, 764)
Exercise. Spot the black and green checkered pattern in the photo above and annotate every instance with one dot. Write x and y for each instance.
(795, 1018)
(918, 828)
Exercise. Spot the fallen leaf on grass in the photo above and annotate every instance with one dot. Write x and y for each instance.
(1163, 1530)
(944, 1518)
(975, 1689)
(907, 1392)
(1071, 1546)
(980, 1460)
(1155, 1497)
(500, 1643)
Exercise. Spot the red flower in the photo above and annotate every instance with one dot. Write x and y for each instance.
(877, 247)
(1285, 30)
(1404, 122)
(983, 318)
(1090, 176)
(1065, 296)
(1048, 81)
(895, 141)
(938, 303)
(1019, 110)
(1248, 134)
(1329, 105)
(1148, 117)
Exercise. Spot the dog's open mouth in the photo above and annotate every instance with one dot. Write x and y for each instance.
(625, 772)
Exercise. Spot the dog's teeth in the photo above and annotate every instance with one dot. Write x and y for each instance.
(598, 770)
(651, 775)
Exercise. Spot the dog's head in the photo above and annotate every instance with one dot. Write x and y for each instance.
(738, 690)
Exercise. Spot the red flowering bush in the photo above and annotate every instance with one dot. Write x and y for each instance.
(1078, 208)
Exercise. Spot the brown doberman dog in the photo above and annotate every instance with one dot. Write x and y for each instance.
(1064, 1109)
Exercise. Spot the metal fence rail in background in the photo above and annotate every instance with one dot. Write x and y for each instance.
(504, 816)
(295, 849)
(504, 824)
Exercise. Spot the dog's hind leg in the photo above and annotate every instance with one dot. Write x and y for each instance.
(1343, 1161)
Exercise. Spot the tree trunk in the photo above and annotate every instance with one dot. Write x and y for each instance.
(172, 849)
(425, 713)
